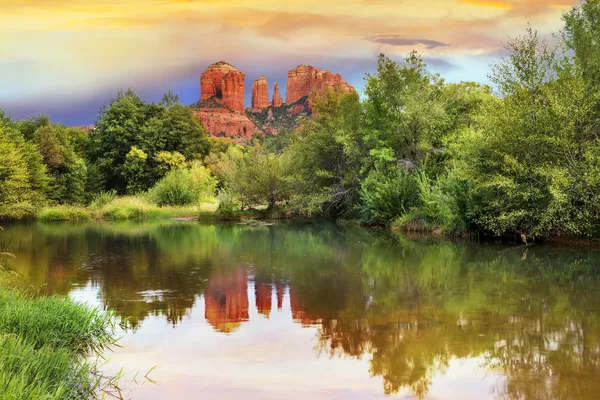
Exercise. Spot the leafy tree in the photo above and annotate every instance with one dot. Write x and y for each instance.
(67, 170)
(255, 176)
(531, 157)
(23, 181)
(404, 111)
(167, 161)
(326, 156)
(387, 196)
(134, 170)
(153, 128)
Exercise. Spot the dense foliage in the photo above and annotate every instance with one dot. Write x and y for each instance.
(416, 152)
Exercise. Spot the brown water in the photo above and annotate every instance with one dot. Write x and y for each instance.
(319, 311)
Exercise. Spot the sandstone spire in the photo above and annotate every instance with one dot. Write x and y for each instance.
(260, 93)
(277, 101)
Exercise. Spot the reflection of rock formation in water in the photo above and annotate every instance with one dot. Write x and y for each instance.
(280, 292)
(264, 298)
(298, 310)
(226, 301)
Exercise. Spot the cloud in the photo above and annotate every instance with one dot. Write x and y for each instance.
(64, 55)
(522, 8)
(397, 40)
(440, 64)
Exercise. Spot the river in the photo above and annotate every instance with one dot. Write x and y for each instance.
(320, 311)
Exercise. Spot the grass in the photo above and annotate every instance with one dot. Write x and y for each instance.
(41, 373)
(65, 213)
(53, 321)
(137, 207)
(45, 343)
(122, 208)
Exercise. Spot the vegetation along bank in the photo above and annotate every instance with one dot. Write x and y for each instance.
(414, 152)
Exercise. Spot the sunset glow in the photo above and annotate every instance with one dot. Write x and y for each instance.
(67, 59)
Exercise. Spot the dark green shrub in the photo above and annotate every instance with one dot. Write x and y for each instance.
(388, 196)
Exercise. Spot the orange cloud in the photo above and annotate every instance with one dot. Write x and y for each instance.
(85, 45)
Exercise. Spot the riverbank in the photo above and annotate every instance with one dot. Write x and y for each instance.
(139, 208)
(120, 209)
(46, 344)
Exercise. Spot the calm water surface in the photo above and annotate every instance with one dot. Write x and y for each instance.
(318, 311)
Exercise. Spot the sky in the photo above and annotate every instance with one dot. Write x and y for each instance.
(69, 58)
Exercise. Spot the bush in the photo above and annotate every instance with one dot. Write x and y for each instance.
(124, 208)
(64, 213)
(227, 207)
(388, 196)
(183, 186)
(443, 203)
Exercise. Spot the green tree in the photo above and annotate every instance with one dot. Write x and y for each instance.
(67, 169)
(134, 170)
(325, 157)
(405, 111)
(533, 158)
(255, 177)
(153, 128)
(183, 186)
(23, 180)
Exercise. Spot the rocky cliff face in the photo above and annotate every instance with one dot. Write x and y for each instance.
(304, 79)
(224, 122)
(277, 100)
(260, 94)
(221, 105)
(223, 82)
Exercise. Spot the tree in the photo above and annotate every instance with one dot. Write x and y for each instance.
(254, 176)
(183, 186)
(532, 160)
(325, 157)
(404, 112)
(67, 169)
(134, 170)
(23, 181)
(153, 128)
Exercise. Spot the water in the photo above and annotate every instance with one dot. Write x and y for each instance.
(320, 311)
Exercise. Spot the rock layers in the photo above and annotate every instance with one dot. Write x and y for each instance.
(224, 122)
(304, 79)
(221, 107)
(260, 94)
(223, 82)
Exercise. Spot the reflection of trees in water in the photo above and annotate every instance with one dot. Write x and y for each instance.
(533, 319)
(410, 307)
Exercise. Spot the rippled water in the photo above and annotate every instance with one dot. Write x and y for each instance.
(316, 310)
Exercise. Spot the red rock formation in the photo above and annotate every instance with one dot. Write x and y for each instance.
(260, 94)
(226, 301)
(305, 78)
(225, 83)
(223, 122)
(222, 93)
(277, 100)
